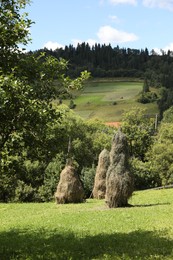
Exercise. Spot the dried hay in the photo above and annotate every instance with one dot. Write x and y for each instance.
(119, 180)
(69, 189)
(99, 189)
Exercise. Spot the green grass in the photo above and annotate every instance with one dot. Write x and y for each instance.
(97, 99)
(89, 230)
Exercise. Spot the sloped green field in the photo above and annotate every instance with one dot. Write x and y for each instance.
(108, 100)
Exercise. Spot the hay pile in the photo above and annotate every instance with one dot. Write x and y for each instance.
(69, 189)
(99, 189)
(119, 180)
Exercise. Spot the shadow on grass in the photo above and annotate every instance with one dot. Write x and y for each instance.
(20, 244)
(151, 205)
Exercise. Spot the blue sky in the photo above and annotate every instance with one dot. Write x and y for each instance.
(127, 23)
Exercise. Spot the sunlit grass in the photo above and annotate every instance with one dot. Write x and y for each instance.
(89, 230)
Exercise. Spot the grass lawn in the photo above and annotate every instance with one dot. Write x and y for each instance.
(108, 100)
(89, 230)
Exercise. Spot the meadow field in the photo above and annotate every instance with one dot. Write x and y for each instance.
(107, 100)
(89, 230)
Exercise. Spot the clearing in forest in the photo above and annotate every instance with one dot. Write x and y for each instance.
(108, 100)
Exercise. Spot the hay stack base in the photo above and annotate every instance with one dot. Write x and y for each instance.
(69, 189)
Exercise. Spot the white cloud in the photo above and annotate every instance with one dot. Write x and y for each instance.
(167, 48)
(75, 42)
(165, 4)
(91, 42)
(52, 45)
(116, 2)
(114, 18)
(108, 34)
(157, 51)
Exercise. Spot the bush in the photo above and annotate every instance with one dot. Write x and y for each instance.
(44, 194)
(51, 179)
(144, 177)
(72, 105)
(147, 97)
(24, 192)
(7, 187)
(87, 177)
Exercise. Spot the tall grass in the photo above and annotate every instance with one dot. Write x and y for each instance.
(89, 230)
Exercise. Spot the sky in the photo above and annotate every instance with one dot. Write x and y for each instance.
(137, 24)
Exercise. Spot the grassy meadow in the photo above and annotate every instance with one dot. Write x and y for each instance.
(107, 100)
(89, 230)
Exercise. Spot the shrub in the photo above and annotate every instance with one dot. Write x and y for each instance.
(147, 97)
(44, 194)
(72, 105)
(7, 187)
(24, 192)
(51, 179)
(87, 177)
(144, 177)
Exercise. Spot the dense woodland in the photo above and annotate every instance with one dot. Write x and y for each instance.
(35, 135)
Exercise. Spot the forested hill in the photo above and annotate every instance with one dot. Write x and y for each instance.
(106, 61)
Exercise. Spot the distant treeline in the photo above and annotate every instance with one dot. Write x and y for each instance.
(107, 61)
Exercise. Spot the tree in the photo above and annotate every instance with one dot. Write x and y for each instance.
(14, 30)
(139, 129)
(87, 177)
(28, 118)
(168, 115)
(161, 154)
(146, 87)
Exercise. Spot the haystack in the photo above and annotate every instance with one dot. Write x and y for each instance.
(69, 189)
(99, 189)
(119, 180)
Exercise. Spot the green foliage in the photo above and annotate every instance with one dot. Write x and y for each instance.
(146, 87)
(139, 129)
(168, 116)
(51, 178)
(144, 176)
(24, 123)
(14, 30)
(88, 138)
(87, 177)
(161, 154)
(7, 186)
(24, 192)
(147, 97)
(30, 129)
(72, 105)
(101, 135)
(166, 99)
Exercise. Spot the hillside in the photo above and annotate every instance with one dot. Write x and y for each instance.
(108, 99)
